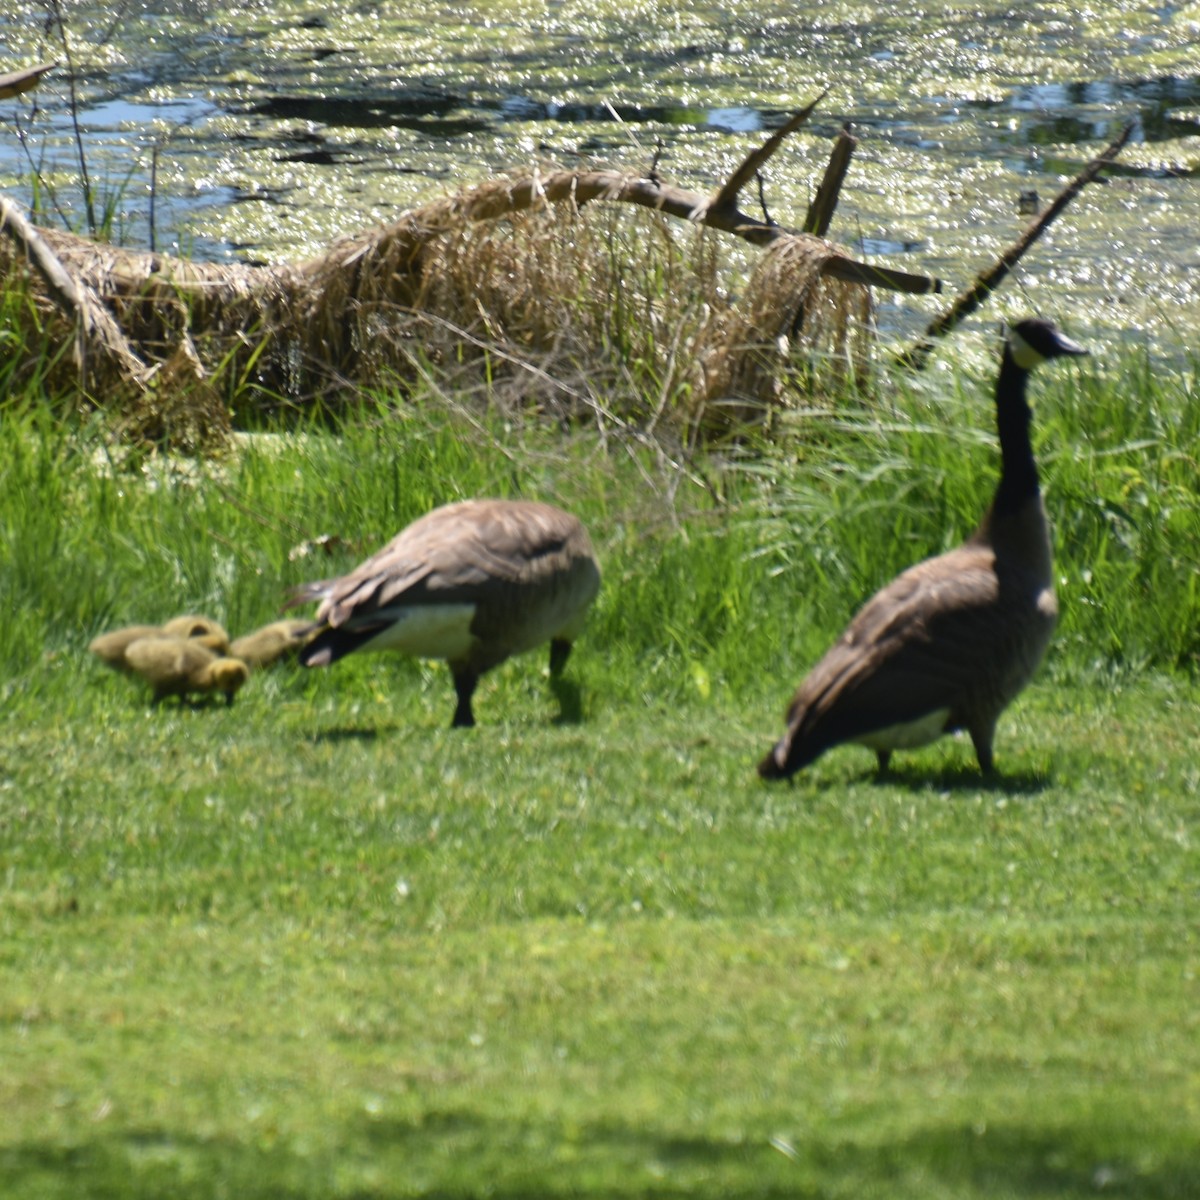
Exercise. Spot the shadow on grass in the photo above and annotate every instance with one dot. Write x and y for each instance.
(963, 779)
(461, 1154)
(947, 779)
(570, 701)
(352, 733)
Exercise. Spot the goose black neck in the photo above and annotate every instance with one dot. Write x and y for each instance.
(1018, 471)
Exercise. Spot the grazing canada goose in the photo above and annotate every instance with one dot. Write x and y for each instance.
(472, 582)
(949, 642)
(271, 643)
(176, 666)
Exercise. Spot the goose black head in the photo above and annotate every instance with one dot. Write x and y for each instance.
(1035, 340)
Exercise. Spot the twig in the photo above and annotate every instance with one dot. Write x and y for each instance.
(762, 199)
(88, 199)
(726, 198)
(825, 202)
(659, 150)
(152, 233)
(43, 183)
(916, 356)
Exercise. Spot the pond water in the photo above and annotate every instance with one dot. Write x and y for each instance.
(270, 129)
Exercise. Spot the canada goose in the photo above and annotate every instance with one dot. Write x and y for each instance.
(949, 642)
(270, 643)
(176, 666)
(472, 582)
(205, 630)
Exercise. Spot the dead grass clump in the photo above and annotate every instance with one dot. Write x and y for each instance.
(582, 311)
(570, 310)
(611, 312)
(794, 333)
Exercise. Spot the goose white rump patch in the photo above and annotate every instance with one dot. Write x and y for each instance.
(425, 630)
(908, 735)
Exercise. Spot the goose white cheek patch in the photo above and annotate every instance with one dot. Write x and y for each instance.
(1024, 355)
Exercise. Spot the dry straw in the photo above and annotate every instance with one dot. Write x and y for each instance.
(564, 308)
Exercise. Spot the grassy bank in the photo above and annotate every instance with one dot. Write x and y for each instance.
(320, 945)
(719, 569)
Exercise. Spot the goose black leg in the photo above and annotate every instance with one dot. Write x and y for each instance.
(981, 739)
(560, 651)
(566, 692)
(464, 687)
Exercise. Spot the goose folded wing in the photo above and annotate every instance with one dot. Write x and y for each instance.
(446, 558)
(914, 649)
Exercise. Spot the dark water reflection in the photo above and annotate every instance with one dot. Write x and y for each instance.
(1058, 113)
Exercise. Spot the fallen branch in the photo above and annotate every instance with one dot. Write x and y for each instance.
(348, 318)
(986, 283)
(15, 83)
(825, 202)
(405, 238)
(95, 327)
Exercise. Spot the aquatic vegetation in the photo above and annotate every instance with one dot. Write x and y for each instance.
(335, 121)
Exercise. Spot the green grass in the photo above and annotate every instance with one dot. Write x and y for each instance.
(320, 945)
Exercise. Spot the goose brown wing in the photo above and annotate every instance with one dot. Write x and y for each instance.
(915, 648)
(458, 554)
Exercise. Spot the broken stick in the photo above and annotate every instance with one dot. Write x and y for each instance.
(14, 83)
(95, 326)
(985, 284)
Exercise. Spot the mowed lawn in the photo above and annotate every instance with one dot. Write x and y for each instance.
(320, 945)
(302, 948)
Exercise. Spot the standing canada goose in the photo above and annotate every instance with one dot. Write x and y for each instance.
(177, 666)
(473, 583)
(271, 643)
(949, 642)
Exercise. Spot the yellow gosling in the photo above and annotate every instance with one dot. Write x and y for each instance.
(175, 666)
(204, 630)
(279, 639)
(110, 647)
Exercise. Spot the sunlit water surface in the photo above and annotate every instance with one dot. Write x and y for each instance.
(269, 130)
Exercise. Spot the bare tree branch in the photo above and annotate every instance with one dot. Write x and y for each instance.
(17, 82)
(825, 202)
(986, 283)
(726, 198)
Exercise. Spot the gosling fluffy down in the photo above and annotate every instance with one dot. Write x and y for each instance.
(280, 639)
(175, 666)
(110, 647)
(204, 630)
